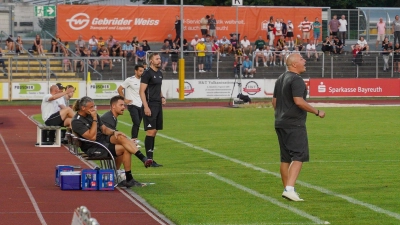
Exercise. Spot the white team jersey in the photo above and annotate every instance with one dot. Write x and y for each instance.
(132, 86)
(48, 107)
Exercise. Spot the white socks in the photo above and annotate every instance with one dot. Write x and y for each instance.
(289, 188)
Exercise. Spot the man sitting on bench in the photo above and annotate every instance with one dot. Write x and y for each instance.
(52, 115)
(87, 124)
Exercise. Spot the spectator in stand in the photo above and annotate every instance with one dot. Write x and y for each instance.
(54, 43)
(212, 25)
(215, 48)
(259, 53)
(194, 42)
(79, 62)
(135, 43)
(165, 49)
(289, 34)
(338, 46)
(260, 43)
(93, 44)
(67, 63)
(169, 39)
(248, 71)
(93, 62)
(185, 44)
(200, 49)
(396, 29)
(101, 50)
(110, 42)
(278, 30)
(343, 29)
(298, 43)
(238, 55)
(271, 31)
(317, 30)
(387, 50)
(2, 62)
(146, 46)
(278, 55)
(174, 56)
(396, 58)
(357, 54)
(127, 51)
(381, 26)
(234, 42)
(65, 48)
(105, 60)
(363, 45)
(38, 45)
(117, 50)
(140, 55)
(100, 43)
(177, 28)
(204, 25)
(225, 46)
(80, 43)
(306, 27)
(285, 53)
(20, 45)
(209, 54)
(10, 44)
(311, 50)
(327, 45)
(284, 28)
(281, 42)
(269, 56)
(334, 27)
(246, 46)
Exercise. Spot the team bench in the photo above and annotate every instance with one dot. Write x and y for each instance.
(43, 129)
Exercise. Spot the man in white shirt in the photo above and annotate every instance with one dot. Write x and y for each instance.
(246, 46)
(310, 50)
(259, 53)
(52, 115)
(343, 29)
(131, 87)
(363, 45)
(381, 26)
(285, 53)
(194, 42)
(93, 44)
(269, 55)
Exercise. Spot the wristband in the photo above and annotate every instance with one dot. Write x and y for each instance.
(317, 113)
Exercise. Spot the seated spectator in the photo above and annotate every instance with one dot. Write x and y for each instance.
(246, 46)
(110, 42)
(88, 125)
(357, 54)
(278, 55)
(38, 45)
(247, 68)
(105, 60)
(92, 62)
(101, 50)
(100, 43)
(174, 56)
(311, 50)
(67, 63)
(234, 42)
(260, 43)
(79, 62)
(225, 46)
(54, 43)
(52, 112)
(19, 48)
(93, 44)
(285, 53)
(259, 53)
(10, 44)
(117, 50)
(165, 55)
(327, 45)
(169, 39)
(281, 42)
(298, 43)
(64, 48)
(2, 62)
(140, 55)
(135, 43)
(269, 55)
(338, 46)
(363, 45)
(238, 55)
(80, 43)
(194, 42)
(127, 50)
(387, 50)
(146, 46)
(185, 43)
(396, 58)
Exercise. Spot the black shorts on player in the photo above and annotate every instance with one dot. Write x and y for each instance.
(155, 121)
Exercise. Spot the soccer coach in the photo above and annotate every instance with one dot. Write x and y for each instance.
(152, 99)
(289, 102)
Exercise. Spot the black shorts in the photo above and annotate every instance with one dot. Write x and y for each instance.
(293, 144)
(200, 59)
(204, 31)
(155, 121)
(289, 34)
(334, 33)
(99, 152)
(55, 120)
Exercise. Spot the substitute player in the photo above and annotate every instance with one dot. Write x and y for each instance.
(152, 99)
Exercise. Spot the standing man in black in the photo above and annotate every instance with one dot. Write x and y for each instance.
(289, 102)
(177, 28)
(152, 99)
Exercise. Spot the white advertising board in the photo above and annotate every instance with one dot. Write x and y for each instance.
(105, 89)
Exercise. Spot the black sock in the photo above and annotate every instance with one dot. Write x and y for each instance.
(149, 145)
(140, 156)
(128, 175)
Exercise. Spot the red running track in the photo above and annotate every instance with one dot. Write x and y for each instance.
(28, 194)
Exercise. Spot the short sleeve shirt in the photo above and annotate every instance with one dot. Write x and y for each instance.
(212, 23)
(260, 43)
(334, 25)
(153, 79)
(48, 107)
(287, 113)
(81, 124)
(396, 24)
(109, 120)
(245, 43)
(381, 27)
(132, 87)
(343, 24)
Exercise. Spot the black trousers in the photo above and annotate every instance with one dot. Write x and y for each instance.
(178, 34)
(136, 116)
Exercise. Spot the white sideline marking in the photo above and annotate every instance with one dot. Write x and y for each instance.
(270, 199)
(33, 201)
(305, 184)
(338, 161)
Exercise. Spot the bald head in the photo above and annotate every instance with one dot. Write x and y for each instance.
(296, 63)
(291, 59)
(53, 89)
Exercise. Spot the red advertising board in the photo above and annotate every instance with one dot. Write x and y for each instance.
(354, 87)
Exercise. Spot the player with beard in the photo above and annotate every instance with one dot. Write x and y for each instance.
(152, 99)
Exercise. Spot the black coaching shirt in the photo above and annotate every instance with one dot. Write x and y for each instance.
(81, 124)
(109, 120)
(287, 113)
(153, 79)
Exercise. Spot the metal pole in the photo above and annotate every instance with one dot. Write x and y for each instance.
(237, 24)
(376, 66)
(323, 64)
(165, 2)
(331, 67)
(11, 14)
(182, 62)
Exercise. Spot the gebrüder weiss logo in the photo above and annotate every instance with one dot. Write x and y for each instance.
(78, 21)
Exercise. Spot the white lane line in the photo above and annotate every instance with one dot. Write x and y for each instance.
(305, 184)
(28, 191)
(269, 199)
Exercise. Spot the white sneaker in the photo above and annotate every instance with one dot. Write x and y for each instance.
(119, 60)
(265, 65)
(251, 76)
(249, 54)
(113, 60)
(256, 64)
(291, 195)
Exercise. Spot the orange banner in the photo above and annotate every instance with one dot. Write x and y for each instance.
(154, 23)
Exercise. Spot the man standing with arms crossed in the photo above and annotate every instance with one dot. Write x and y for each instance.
(289, 102)
(152, 99)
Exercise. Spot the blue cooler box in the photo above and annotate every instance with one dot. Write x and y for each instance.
(62, 168)
(106, 180)
(70, 180)
(89, 180)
